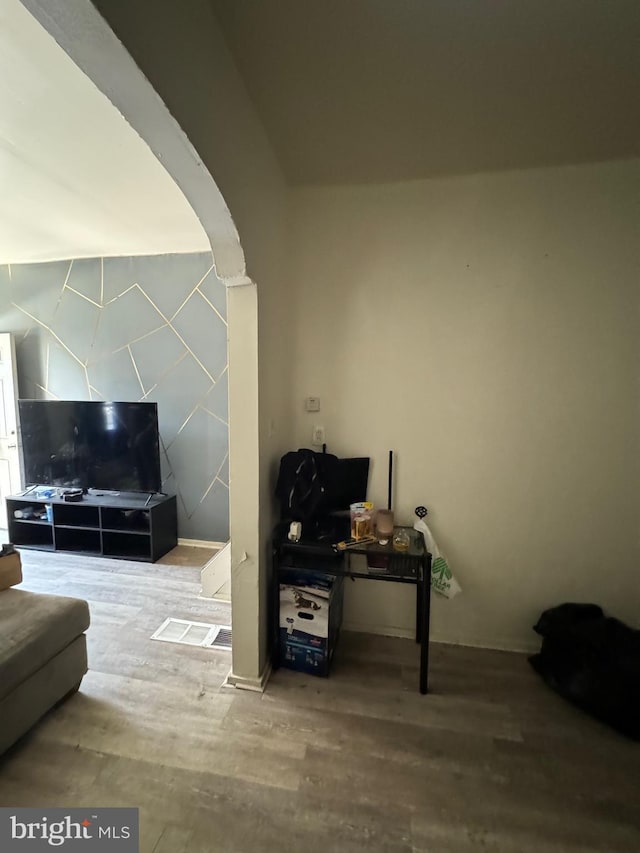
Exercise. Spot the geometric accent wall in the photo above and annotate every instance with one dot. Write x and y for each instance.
(140, 328)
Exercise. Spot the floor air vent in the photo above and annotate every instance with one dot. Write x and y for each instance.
(222, 639)
(188, 633)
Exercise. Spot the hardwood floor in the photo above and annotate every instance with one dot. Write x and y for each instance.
(490, 760)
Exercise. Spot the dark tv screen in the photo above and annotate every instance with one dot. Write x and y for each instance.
(91, 445)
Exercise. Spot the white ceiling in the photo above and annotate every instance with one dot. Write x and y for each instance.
(75, 178)
(382, 90)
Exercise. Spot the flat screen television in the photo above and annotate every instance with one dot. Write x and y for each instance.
(91, 445)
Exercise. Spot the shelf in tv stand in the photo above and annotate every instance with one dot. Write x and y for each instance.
(123, 526)
(40, 521)
(131, 531)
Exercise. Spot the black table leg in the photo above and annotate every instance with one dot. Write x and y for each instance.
(426, 616)
(275, 611)
(419, 611)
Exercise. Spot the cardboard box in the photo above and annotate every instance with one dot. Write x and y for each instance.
(310, 621)
(10, 571)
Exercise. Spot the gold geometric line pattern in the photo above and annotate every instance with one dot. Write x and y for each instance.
(141, 338)
(216, 477)
(181, 501)
(175, 313)
(61, 294)
(151, 302)
(167, 323)
(188, 418)
(182, 356)
(208, 411)
(81, 295)
(96, 326)
(215, 480)
(198, 406)
(135, 284)
(135, 367)
(221, 466)
(98, 392)
(175, 332)
(94, 392)
(51, 332)
(204, 497)
(46, 391)
(170, 469)
(64, 283)
(213, 415)
(86, 376)
(190, 351)
(211, 305)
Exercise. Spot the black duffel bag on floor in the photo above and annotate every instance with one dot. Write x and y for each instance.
(592, 660)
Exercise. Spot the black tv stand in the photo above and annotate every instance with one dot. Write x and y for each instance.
(133, 526)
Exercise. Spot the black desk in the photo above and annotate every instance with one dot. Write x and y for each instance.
(412, 566)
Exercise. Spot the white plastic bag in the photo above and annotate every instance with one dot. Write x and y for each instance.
(442, 581)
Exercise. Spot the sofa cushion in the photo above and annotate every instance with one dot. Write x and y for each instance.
(33, 629)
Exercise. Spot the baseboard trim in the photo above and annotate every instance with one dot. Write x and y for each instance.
(497, 644)
(213, 600)
(256, 685)
(200, 543)
(516, 646)
(385, 631)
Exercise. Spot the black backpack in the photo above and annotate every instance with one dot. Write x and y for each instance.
(303, 480)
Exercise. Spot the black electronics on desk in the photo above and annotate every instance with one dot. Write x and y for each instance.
(317, 489)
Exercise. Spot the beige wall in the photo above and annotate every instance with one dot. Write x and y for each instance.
(486, 329)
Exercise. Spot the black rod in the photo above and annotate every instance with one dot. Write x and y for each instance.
(390, 479)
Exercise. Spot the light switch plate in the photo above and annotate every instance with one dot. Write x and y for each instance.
(312, 404)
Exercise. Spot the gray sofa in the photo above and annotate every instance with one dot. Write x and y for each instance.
(43, 656)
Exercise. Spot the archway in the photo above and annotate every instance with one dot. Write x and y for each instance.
(86, 37)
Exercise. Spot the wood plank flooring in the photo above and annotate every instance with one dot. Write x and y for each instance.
(489, 761)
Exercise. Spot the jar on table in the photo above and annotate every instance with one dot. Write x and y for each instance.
(384, 525)
(401, 539)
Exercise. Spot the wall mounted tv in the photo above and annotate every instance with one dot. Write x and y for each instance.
(91, 445)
